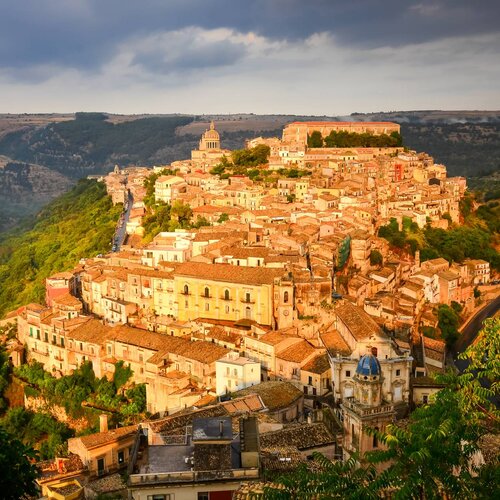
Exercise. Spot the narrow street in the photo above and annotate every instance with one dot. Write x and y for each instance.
(121, 228)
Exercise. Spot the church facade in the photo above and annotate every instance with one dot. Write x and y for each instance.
(209, 152)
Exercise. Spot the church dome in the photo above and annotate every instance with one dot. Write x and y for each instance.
(211, 134)
(368, 365)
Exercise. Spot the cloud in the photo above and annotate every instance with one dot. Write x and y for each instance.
(188, 50)
(88, 34)
(276, 56)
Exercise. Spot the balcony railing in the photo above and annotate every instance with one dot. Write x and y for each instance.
(194, 476)
(360, 409)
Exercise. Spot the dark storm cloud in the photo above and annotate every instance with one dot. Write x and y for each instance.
(87, 33)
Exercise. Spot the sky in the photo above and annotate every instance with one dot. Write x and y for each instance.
(319, 57)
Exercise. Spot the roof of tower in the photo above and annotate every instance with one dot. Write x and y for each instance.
(368, 365)
(211, 133)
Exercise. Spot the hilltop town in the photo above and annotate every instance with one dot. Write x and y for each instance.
(255, 296)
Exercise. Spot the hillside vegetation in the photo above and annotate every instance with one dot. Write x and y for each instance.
(78, 224)
(475, 239)
(90, 144)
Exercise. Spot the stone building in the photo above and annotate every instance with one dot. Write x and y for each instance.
(366, 408)
(209, 151)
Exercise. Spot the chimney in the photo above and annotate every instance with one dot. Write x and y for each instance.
(103, 423)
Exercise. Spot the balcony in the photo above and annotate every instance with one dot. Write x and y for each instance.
(194, 476)
(365, 411)
(245, 301)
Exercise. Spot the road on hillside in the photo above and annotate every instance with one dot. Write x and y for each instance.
(121, 229)
(471, 330)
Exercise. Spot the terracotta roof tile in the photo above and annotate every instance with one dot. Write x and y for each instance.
(275, 395)
(297, 352)
(102, 438)
(319, 364)
(360, 324)
(229, 273)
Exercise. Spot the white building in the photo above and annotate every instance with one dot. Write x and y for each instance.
(234, 372)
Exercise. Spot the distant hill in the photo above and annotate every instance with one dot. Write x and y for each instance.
(25, 188)
(80, 223)
(74, 146)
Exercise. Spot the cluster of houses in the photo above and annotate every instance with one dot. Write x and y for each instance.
(272, 315)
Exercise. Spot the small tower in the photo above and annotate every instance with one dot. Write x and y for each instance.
(366, 408)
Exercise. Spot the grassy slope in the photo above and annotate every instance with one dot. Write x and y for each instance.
(78, 224)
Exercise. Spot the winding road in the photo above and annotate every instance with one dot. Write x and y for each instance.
(471, 330)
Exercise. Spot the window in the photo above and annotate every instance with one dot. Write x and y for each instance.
(203, 496)
(121, 457)
(398, 373)
(160, 497)
(62, 341)
(235, 372)
(228, 370)
(46, 337)
(248, 313)
(207, 307)
(285, 297)
(54, 339)
(247, 297)
(425, 398)
(227, 309)
(207, 291)
(310, 380)
(226, 294)
(348, 373)
(81, 346)
(31, 331)
(186, 290)
(109, 349)
(38, 334)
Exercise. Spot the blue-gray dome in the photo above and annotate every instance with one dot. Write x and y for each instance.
(368, 365)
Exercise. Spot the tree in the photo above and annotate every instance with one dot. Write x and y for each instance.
(122, 374)
(431, 455)
(448, 321)
(315, 140)
(223, 218)
(325, 479)
(18, 476)
(376, 258)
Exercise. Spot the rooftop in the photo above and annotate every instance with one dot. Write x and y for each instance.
(275, 395)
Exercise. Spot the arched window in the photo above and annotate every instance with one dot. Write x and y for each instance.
(186, 290)
(226, 294)
(285, 297)
(375, 438)
(248, 313)
(207, 292)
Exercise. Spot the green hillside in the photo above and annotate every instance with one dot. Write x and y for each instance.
(78, 224)
(90, 144)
